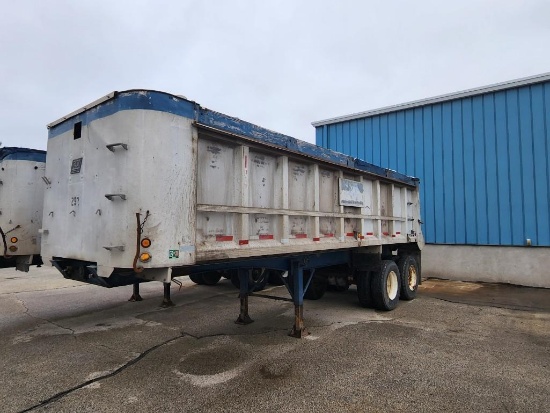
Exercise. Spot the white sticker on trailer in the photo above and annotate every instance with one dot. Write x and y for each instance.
(351, 193)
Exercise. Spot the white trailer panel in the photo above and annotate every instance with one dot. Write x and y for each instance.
(21, 198)
(204, 187)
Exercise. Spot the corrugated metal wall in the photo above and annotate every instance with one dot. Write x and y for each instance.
(483, 162)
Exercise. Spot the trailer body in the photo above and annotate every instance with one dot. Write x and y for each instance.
(145, 185)
(21, 200)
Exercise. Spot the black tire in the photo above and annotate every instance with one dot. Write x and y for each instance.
(197, 279)
(317, 287)
(274, 278)
(341, 284)
(253, 277)
(408, 268)
(363, 288)
(386, 286)
(211, 278)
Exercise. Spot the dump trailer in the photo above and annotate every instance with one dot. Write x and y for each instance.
(145, 185)
(21, 199)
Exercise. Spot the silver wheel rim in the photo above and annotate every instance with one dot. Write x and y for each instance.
(412, 278)
(391, 285)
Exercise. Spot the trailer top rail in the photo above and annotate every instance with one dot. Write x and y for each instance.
(22, 154)
(209, 119)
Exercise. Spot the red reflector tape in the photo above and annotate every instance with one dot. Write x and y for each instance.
(316, 239)
(397, 233)
(350, 234)
(224, 237)
(361, 237)
(300, 235)
(393, 236)
(266, 236)
(329, 235)
(385, 233)
(243, 242)
(370, 233)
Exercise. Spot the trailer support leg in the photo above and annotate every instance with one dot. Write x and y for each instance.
(298, 330)
(243, 318)
(297, 275)
(167, 302)
(135, 296)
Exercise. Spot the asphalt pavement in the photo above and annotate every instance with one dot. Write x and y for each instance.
(72, 347)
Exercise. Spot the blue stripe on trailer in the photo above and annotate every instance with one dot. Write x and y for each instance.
(22, 154)
(165, 102)
(129, 100)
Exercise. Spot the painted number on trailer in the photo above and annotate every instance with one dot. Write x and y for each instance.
(173, 254)
(75, 201)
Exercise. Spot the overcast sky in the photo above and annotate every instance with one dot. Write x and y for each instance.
(280, 64)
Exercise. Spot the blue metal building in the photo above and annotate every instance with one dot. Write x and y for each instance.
(482, 156)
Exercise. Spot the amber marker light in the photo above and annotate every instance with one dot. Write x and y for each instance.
(144, 257)
(145, 242)
(13, 248)
(14, 240)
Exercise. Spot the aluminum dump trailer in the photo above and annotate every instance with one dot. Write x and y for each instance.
(146, 185)
(21, 199)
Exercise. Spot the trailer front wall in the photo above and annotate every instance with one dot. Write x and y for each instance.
(483, 160)
(21, 200)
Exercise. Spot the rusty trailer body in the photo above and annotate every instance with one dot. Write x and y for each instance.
(146, 185)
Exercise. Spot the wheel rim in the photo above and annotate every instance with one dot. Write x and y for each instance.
(412, 281)
(391, 285)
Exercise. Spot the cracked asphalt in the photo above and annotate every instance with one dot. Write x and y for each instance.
(71, 347)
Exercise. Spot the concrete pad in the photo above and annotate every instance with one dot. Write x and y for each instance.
(455, 348)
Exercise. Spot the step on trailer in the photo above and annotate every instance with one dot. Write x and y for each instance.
(146, 185)
(21, 199)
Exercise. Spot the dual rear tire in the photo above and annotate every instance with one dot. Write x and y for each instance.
(383, 289)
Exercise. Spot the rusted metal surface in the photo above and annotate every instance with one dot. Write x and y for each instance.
(298, 330)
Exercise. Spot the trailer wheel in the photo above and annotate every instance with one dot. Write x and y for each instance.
(340, 284)
(196, 278)
(253, 278)
(408, 268)
(385, 286)
(317, 287)
(364, 292)
(211, 278)
(274, 278)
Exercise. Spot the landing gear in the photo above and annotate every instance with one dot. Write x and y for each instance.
(167, 302)
(297, 282)
(243, 279)
(135, 296)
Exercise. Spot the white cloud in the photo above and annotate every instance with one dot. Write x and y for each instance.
(281, 64)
